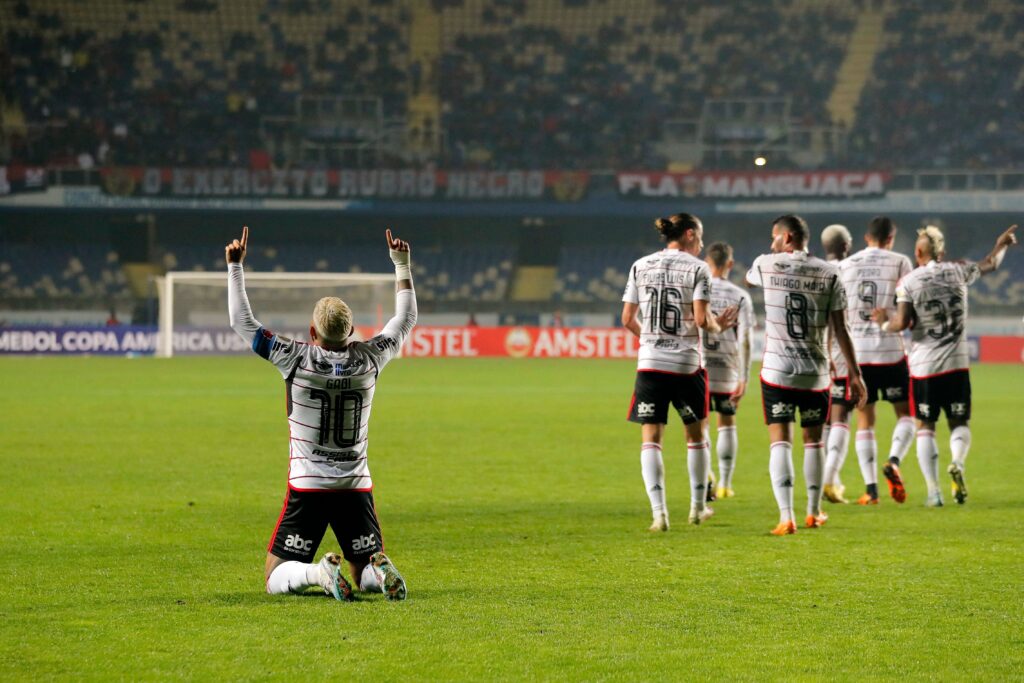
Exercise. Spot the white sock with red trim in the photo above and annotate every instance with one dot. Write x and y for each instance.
(780, 468)
(960, 444)
(838, 443)
(293, 577)
(867, 455)
(902, 437)
(814, 466)
(698, 458)
(727, 446)
(928, 458)
(653, 469)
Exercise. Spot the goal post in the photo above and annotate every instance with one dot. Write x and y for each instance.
(190, 301)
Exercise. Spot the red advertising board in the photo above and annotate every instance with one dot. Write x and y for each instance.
(1001, 350)
(517, 342)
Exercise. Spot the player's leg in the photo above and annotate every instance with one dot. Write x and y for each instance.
(957, 404)
(867, 451)
(924, 400)
(836, 445)
(710, 495)
(779, 412)
(355, 525)
(814, 410)
(896, 389)
(289, 567)
(649, 409)
(727, 445)
(691, 399)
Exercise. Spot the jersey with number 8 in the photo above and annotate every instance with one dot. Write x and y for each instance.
(800, 293)
(938, 293)
(664, 285)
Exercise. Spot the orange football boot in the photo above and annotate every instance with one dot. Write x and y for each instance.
(896, 488)
(815, 521)
(866, 499)
(784, 528)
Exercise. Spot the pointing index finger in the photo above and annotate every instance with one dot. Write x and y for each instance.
(245, 236)
(391, 240)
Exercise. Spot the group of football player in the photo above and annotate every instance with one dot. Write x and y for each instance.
(833, 346)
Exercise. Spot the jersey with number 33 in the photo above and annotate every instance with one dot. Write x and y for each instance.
(938, 293)
(664, 285)
(800, 293)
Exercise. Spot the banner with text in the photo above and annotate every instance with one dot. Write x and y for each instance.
(398, 184)
(16, 179)
(752, 185)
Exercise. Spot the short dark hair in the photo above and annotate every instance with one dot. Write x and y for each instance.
(881, 228)
(795, 226)
(720, 253)
(673, 227)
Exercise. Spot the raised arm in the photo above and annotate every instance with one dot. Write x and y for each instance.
(399, 327)
(239, 312)
(995, 257)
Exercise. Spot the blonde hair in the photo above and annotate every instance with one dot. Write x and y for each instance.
(332, 319)
(935, 239)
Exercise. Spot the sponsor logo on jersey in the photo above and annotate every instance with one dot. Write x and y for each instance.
(958, 408)
(364, 542)
(384, 343)
(644, 409)
(323, 367)
(781, 409)
(345, 456)
(339, 369)
(284, 347)
(893, 392)
(666, 344)
(924, 409)
(298, 543)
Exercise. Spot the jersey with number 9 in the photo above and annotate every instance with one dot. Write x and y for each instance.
(664, 285)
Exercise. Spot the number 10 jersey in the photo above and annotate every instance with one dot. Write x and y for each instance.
(800, 293)
(664, 285)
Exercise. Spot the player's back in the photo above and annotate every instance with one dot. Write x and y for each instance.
(800, 292)
(938, 293)
(722, 351)
(664, 285)
(870, 277)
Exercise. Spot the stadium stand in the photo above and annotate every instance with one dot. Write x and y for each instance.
(569, 84)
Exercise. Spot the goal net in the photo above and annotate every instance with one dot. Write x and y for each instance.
(193, 316)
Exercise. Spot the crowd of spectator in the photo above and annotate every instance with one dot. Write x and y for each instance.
(519, 85)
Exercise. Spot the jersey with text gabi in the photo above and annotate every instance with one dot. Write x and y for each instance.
(870, 277)
(800, 293)
(664, 285)
(723, 352)
(938, 293)
(328, 398)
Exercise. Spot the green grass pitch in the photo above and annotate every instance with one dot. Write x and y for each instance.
(138, 496)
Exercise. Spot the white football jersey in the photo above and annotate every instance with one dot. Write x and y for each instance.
(938, 293)
(723, 352)
(664, 285)
(840, 370)
(328, 394)
(869, 278)
(800, 293)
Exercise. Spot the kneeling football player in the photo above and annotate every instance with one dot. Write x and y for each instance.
(330, 384)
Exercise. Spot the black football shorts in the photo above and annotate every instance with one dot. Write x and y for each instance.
(950, 392)
(655, 391)
(307, 514)
(887, 382)
(782, 403)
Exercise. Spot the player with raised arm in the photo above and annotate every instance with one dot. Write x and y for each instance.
(870, 278)
(671, 291)
(836, 241)
(932, 300)
(727, 360)
(329, 385)
(802, 297)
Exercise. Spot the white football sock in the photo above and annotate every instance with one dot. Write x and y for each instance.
(838, 444)
(369, 582)
(780, 468)
(902, 437)
(293, 577)
(727, 447)
(959, 444)
(814, 465)
(928, 458)
(867, 454)
(653, 469)
(698, 456)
